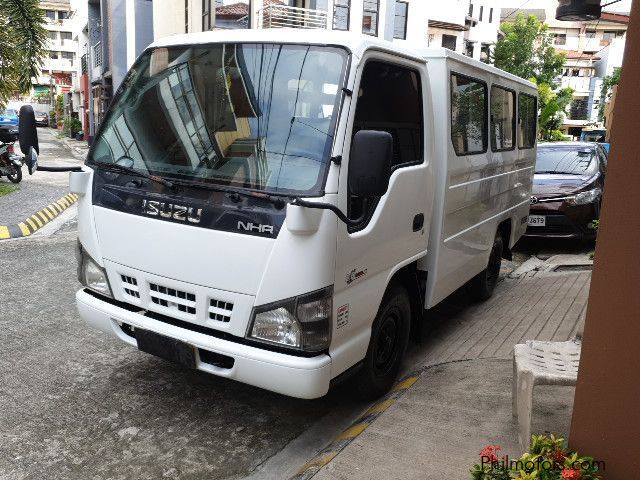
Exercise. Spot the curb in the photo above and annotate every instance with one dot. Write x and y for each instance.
(328, 453)
(39, 219)
(324, 456)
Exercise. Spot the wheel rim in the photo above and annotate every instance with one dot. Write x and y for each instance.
(386, 344)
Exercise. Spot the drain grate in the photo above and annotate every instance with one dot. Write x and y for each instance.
(573, 268)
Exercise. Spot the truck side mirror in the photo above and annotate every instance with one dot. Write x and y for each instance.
(27, 132)
(370, 163)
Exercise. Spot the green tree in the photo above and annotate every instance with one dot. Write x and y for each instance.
(526, 50)
(552, 109)
(22, 45)
(608, 83)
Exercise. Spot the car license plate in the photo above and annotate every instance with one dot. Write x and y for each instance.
(537, 221)
(168, 348)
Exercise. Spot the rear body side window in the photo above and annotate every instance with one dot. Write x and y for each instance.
(502, 129)
(468, 115)
(527, 120)
(390, 100)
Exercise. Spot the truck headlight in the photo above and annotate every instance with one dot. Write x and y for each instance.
(584, 198)
(301, 323)
(92, 275)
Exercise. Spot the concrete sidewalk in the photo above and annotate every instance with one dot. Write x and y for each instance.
(461, 400)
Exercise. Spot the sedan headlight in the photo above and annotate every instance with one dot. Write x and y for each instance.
(584, 198)
(301, 323)
(92, 275)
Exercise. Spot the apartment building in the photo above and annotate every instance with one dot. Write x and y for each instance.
(468, 27)
(593, 50)
(60, 63)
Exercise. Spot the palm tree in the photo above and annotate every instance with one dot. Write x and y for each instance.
(23, 42)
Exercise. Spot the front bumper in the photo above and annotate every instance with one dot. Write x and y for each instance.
(286, 374)
(564, 221)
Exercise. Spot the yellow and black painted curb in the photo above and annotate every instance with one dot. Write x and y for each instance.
(328, 453)
(39, 219)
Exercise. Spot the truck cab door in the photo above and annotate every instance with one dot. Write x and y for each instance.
(388, 97)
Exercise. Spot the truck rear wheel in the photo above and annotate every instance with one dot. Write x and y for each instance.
(388, 343)
(481, 286)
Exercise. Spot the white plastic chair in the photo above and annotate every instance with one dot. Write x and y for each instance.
(540, 363)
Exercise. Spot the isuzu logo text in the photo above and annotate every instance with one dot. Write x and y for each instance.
(252, 227)
(180, 213)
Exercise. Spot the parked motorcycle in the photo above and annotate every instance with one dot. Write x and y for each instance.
(10, 163)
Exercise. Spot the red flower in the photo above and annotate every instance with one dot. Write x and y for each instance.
(559, 456)
(571, 474)
(490, 452)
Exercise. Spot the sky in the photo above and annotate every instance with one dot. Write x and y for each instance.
(622, 6)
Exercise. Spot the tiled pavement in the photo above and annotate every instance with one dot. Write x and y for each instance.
(462, 399)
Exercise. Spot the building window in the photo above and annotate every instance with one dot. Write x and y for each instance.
(468, 115)
(97, 54)
(53, 54)
(607, 37)
(527, 119)
(471, 9)
(341, 10)
(431, 39)
(449, 41)
(62, 15)
(53, 35)
(481, 12)
(206, 15)
(491, 15)
(485, 53)
(579, 109)
(503, 119)
(560, 39)
(65, 35)
(591, 34)
(50, 14)
(400, 22)
(370, 17)
(468, 48)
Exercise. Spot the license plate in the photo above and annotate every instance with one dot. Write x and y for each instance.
(165, 347)
(537, 221)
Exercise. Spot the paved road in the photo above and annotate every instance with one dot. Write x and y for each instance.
(42, 188)
(77, 404)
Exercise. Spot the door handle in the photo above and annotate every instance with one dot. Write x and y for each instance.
(418, 222)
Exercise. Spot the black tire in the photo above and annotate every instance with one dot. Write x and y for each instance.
(388, 343)
(16, 177)
(27, 132)
(481, 286)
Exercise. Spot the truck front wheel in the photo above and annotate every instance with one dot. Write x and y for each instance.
(388, 343)
(482, 285)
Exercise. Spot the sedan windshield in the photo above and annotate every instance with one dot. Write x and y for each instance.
(566, 160)
(256, 116)
(8, 113)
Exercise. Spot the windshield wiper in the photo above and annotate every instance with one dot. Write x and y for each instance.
(235, 195)
(114, 167)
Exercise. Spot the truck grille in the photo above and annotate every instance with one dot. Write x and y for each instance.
(173, 299)
(130, 286)
(220, 311)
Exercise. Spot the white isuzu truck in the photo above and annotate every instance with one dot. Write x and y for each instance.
(279, 207)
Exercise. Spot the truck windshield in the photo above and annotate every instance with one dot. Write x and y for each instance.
(255, 116)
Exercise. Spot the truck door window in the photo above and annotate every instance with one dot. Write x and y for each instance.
(503, 119)
(390, 100)
(527, 119)
(468, 115)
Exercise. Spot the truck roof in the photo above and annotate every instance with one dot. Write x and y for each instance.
(356, 43)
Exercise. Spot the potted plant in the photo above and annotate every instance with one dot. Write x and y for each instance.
(548, 458)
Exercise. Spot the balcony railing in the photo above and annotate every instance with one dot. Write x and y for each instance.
(282, 16)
